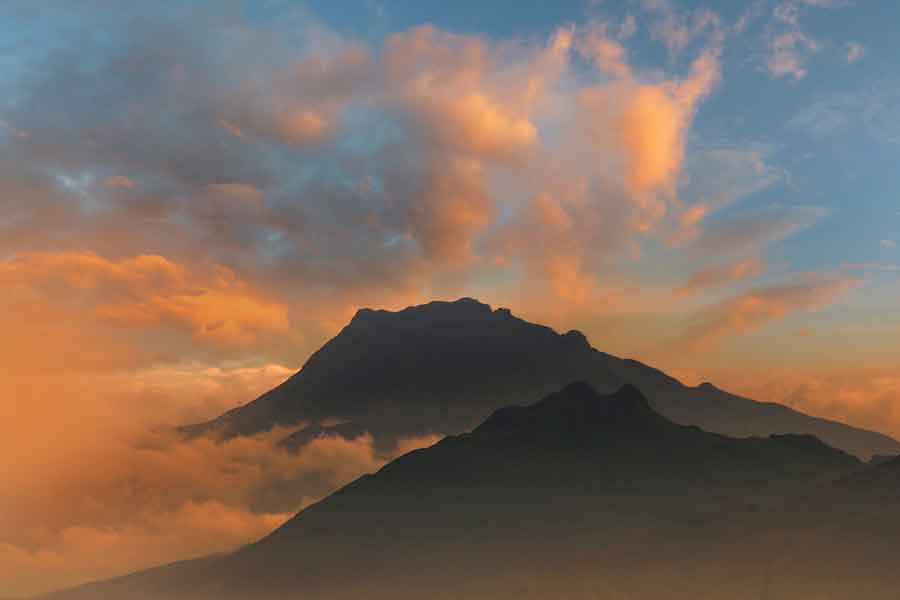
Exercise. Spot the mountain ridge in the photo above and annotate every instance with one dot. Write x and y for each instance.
(444, 366)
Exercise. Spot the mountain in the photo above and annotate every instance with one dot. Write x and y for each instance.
(878, 459)
(443, 367)
(580, 495)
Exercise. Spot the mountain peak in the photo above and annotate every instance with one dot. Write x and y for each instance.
(465, 306)
(576, 411)
(627, 401)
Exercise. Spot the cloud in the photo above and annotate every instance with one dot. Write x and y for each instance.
(648, 122)
(238, 193)
(789, 46)
(888, 244)
(827, 3)
(855, 52)
(757, 307)
(719, 177)
(788, 53)
(407, 445)
(721, 274)
(826, 117)
(467, 107)
(608, 54)
(132, 504)
(413, 157)
(95, 376)
(871, 111)
(112, 496)
(81, 553)
(134, 497)
(454, 207)
(751, 231)
(677, 30)
(151, 291)
(445, 82)
(871, 266)
(118, 182)
(304, 103)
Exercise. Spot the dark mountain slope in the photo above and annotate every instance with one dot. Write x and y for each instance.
(845, 541)
(577, 496)
(443, 367)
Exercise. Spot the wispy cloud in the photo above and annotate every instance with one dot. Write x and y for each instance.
(722, 274)
(855, 52)
(759, 306)
(749, 232)
(871, 266)
(788, 53)
(789, 45)
(872, 111)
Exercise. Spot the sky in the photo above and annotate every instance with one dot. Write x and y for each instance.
(194, 196)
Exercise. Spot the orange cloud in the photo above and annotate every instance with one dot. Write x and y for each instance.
(82, 402)
(567, 279)
(150, 291)
(126, 503)
(722, 274)
(649, 121)
(105, 502)
(302, 105)
(475, 124)
(446, 83)
(81, 554)
(609, 55)
(118, 182)
(239, 193)
(651, 127)
(757, 307)
(654, 122)
(453, 208)
(469, 106)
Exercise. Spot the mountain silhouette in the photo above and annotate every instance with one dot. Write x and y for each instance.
(581, 495)
(443, 367)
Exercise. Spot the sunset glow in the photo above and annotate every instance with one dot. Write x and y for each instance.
(194, 197)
